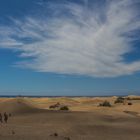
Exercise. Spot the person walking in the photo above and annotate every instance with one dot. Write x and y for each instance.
(1, 118)
(5, 117)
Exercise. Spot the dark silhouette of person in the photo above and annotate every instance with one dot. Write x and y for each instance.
(0, 117)
(5, 117)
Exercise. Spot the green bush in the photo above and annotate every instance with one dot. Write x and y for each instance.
(119, 100)
(105, 103)
(64, 108)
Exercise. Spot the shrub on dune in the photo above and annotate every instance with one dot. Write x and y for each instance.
(129, 103)
(119, 100)
(105, 104)
(57, 105)
(64, 108)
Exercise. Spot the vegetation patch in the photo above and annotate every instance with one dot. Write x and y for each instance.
(105, 104)
(119, 100)
(129, 103)
(64, 108)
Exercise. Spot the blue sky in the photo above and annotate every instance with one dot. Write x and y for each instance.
(69, 47)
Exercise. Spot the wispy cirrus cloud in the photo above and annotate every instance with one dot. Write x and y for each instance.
(77, 40)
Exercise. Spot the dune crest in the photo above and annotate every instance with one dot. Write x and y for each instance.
(17, 105)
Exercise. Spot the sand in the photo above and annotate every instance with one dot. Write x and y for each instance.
(33, 120)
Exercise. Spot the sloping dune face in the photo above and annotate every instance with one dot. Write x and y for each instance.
(46, 102)
(90, 104)
(99, 124)
(17, 105)
(28, 122)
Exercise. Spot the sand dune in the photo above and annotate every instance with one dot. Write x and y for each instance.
(85, 120)
(87, 103)
(17, 105)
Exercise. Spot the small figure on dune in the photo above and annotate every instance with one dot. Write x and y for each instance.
(5, 117)
(0, 117)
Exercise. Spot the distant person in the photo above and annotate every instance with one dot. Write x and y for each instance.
(5, 117)
(0, 117)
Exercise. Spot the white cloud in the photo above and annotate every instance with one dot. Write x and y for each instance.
(84, 41)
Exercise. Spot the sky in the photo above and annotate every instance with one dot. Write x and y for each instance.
(69, 47)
